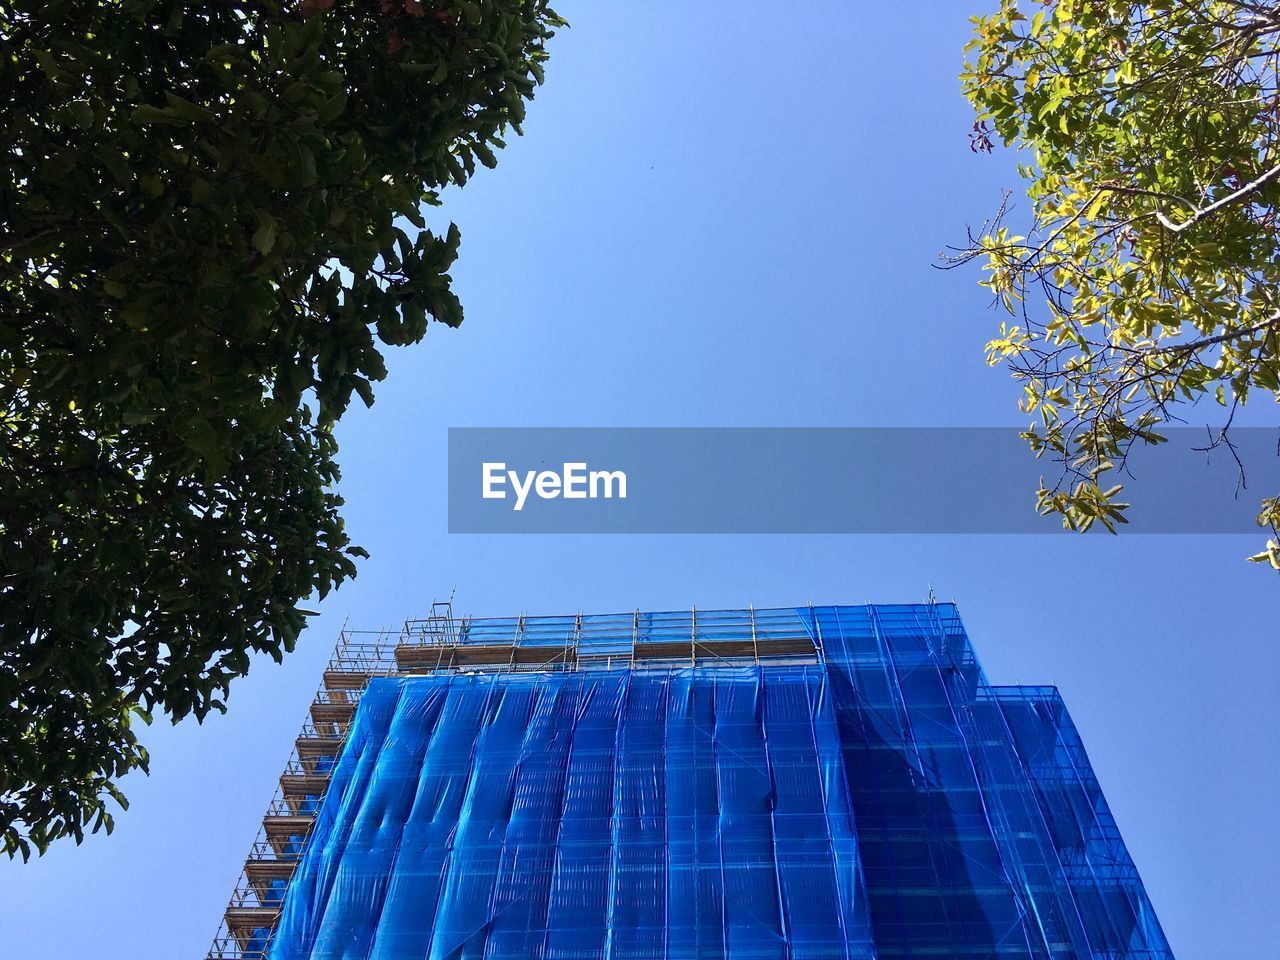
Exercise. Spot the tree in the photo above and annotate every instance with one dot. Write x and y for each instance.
(1148, 273)
(209, 224)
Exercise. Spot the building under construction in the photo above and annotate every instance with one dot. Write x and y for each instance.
(809, 782)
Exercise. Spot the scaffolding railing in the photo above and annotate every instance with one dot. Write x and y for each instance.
(264, 850)
(604, 630)
(252, 896)
(606, 640)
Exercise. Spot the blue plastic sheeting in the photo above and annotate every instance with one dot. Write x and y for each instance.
(1095, 873)
(981, 828)
(690, 813)
(885, 802)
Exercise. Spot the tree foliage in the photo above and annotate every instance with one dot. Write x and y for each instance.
(1148, 273)
(209, 225)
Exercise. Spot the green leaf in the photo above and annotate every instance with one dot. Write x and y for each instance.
(186, 110)
(264, 238)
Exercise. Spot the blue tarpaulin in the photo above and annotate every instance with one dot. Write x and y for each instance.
(882, 802)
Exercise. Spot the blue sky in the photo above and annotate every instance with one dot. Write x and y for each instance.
(724, 215)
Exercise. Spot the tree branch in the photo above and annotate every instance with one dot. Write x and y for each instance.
(1201, 212)
(1220, 338)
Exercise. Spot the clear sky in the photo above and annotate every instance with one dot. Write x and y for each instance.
(726, 214)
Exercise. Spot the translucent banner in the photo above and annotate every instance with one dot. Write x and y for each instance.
(832, 480)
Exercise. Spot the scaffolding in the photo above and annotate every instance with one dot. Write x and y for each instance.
(955, 817)
(254, 908)
(442, 643)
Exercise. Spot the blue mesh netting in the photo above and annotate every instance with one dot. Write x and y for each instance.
(886, 802)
